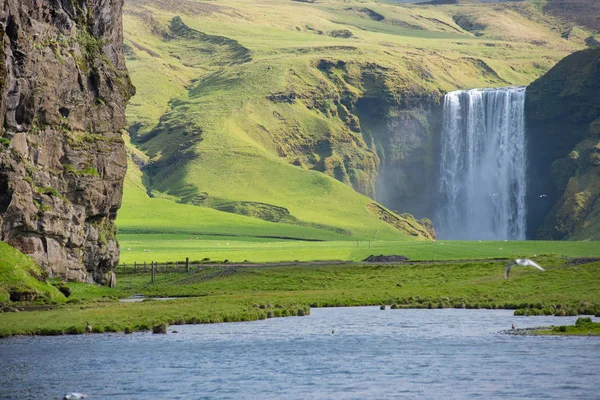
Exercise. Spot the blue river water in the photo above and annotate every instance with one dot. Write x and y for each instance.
(412, 354)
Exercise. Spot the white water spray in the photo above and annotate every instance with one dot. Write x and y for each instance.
(482, 176)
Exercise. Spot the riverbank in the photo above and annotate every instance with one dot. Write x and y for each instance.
(233, 293)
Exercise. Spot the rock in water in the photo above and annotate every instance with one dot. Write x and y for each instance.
(62, 159)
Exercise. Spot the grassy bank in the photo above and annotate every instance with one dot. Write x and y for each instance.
(229, 293)
(582, 327)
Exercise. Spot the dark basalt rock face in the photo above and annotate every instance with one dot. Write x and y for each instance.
(563, 128)
(406, 133)
(62, 160)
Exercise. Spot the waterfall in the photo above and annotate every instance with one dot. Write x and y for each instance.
(482, 166)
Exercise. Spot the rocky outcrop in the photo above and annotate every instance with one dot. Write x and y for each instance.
(563, 123)
(62, 160)
(400, 122)
(406, 130)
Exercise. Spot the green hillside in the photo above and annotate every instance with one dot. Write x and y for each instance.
(21, 279)
(268, 109)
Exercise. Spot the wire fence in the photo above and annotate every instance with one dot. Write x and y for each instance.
(155, 269)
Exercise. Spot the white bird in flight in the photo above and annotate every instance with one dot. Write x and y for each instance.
(522, 262)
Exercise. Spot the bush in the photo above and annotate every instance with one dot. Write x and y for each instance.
(394, 307)
(382, 307)
(50, 332)
(562, 328)
(98, 329)
(160, 328)
(142, 327)
(74, 330)
(583, 321)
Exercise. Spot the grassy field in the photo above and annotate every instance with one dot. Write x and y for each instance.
(228, 293)
(176, 247)
(238, 111)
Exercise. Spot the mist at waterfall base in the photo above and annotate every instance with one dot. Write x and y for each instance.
(482, 175)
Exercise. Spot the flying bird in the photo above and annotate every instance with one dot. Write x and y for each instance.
(521, 262)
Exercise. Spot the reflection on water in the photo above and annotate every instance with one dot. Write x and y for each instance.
(372, 354)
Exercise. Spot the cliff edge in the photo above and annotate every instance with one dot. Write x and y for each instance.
(563, 121)
(62, 159)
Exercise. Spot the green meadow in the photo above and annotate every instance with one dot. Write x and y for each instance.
(232, 293)
(178, 247)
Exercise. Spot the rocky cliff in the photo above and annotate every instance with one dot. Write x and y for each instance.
(62, 160)
(563, 122)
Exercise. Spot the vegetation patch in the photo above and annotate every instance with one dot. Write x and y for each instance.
(22, 280)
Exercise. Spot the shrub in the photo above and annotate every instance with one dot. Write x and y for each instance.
(51, 332)
(394, 307)
(142, 327)
(583, 321)
(160, 328)
(98, 329)
(74, 330)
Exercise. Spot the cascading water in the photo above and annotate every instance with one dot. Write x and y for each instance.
(482, 175)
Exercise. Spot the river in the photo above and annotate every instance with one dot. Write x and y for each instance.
(445, 354)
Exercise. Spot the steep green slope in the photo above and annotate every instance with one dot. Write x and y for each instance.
(142, 214)
(241, 105)
(21, 279)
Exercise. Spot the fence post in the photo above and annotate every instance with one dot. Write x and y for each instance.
(153, 278)
(135, 267)
(187, 264)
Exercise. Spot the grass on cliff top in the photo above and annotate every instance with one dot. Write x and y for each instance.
(176, 247)
(20, 274)
(248, 293)
(226, 142)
